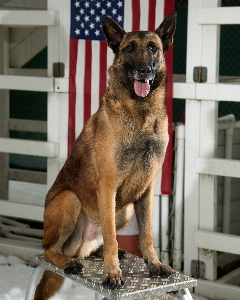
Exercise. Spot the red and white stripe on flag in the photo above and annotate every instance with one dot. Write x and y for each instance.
(91, 58)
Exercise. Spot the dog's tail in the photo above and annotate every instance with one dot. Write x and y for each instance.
(48, 286)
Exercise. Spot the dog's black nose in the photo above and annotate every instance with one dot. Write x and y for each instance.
(142, 72)
(145, 71)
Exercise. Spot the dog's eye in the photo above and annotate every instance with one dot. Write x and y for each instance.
(129, 48)
(153, 48)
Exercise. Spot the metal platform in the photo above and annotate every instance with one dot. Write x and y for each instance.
(138, 284)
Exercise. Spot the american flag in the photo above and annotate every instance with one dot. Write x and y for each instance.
(90, 57)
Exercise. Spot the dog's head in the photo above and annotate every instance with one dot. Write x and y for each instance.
(139, 55)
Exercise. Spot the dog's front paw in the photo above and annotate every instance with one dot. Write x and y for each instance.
(159, 269)
(73, 267)
(113, 279)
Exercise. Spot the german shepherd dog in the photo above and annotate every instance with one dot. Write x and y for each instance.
(113, 164)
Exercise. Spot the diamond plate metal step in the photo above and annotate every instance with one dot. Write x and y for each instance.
(138, 284)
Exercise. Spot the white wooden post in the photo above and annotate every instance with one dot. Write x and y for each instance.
(208, 141)
(4, 112)
(191, 182)
(53, 117)
(58, 44)
(201, 137)
(64, 19)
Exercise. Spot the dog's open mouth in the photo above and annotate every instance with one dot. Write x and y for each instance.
(142, 87)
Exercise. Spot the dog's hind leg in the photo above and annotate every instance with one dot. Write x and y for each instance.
(124, 216)
(143, 208)
(60, 221)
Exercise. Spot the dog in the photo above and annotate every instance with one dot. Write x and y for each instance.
(113, 164)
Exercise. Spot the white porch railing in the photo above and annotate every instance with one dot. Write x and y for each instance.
(55, 149)
(201, 164)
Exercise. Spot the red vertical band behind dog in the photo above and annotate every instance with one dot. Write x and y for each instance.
(151, 15)
(102, 69)
(72, 93)
(136, 15)
(87, 80)
(166, 184)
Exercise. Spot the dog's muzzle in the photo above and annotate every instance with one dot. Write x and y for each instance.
(143, 78)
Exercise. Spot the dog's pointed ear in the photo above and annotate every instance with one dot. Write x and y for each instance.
(113, 33)
(166, 30)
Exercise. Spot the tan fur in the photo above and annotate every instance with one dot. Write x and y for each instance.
(112, 166)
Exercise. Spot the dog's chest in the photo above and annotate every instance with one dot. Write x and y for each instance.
(140, 152)
(138, 163)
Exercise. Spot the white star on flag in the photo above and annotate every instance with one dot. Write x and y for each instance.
(77, 31)
(97, 32)
(77, 4)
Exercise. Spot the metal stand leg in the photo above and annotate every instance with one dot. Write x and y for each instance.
(33, 282)
(186, 294)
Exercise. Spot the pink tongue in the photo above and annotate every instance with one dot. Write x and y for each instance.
(141, 88)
